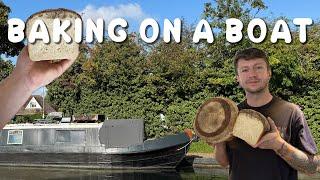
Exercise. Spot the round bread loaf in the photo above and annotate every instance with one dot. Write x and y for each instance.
(53, 51)
(215, 120)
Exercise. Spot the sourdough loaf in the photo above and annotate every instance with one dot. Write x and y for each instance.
(215, 120)
(219, 119)
(53, 51)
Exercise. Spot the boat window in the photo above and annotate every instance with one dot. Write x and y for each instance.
(70, 136)
(63, 136)
(15, 137)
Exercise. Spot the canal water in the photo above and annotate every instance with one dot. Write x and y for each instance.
(19, 173)
(23, 173)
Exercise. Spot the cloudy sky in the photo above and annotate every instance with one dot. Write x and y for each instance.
(135, 11)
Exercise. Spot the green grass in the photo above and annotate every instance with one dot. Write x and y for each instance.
(200, 147)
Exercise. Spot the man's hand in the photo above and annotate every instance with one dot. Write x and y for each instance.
(26, 77)
(39, 73)
(271, 140)
(298, 159)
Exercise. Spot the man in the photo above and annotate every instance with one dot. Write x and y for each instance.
(26, 77)
(289, 145)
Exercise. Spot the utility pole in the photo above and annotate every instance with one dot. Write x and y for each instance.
(42, 102)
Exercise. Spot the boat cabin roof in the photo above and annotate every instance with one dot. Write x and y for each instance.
(53, 126)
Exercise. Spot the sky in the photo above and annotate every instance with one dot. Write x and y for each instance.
(136, 11)
(191, 9)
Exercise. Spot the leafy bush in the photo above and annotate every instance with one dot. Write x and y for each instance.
(26, 118)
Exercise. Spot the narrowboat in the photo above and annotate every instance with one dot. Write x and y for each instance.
(112, 144)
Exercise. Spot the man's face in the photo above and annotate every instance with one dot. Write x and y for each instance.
(253, 75)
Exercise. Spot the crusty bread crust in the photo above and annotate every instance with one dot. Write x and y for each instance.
(215, 120)
(58, 13)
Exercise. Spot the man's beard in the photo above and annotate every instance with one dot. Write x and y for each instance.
(259, 90)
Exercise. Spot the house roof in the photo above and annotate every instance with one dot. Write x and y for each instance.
(47, 107)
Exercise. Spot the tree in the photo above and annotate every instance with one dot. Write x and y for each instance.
(6, 68)
(217, 14)
(6, 47)
(64, 92)
(219, 63)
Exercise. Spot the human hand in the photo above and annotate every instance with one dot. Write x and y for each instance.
(271, 140)
(39, 73)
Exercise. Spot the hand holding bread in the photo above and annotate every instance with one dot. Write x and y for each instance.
(39, 63)
(272, 139)
(39, 73)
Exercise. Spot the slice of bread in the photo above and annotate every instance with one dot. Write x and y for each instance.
(53, 51)
(250, 126)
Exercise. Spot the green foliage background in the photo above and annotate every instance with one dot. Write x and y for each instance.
(138, 80)
(26, 118)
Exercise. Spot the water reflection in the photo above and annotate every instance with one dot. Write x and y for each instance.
(13, 173)
(54, 173)
(26, 173)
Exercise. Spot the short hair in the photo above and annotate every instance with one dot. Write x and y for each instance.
(248, 54)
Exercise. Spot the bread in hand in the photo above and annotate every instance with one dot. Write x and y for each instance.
(53, 51)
